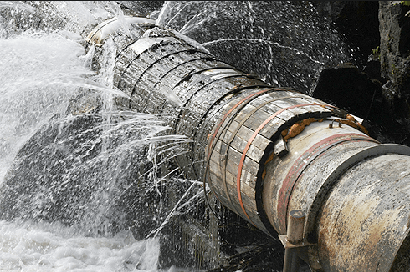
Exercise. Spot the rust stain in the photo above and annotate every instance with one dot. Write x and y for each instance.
(353, 124)
(250, 141)
(350, 117)
(355, 232)
(300, 164)
(244, 100)
(237, 87)
(297, 128)
(346, 118)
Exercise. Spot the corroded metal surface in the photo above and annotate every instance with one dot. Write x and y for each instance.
(329, 178)
(305, 161)
(238, 149)
(266, 151)
(311, 145)
(365, 220)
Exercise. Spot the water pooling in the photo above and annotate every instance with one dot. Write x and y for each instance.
(27, 246)
(106, 177)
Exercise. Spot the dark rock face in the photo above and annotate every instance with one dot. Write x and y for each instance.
(141, 8)
(353, 91)
(378, 35)
(285, 43)
(73, 170)
(91, 172)
(348, 88)
(59, 176)
(357, 23)
(395, 57)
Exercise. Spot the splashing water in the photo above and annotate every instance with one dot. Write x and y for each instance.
(284, 42)
(76, 219)
(42, 73)
(44, 69)
(52, 247)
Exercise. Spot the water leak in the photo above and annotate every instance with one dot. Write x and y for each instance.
(28, 246)
(284, 42)
(43, 72)
(66, 208)
(85, 183)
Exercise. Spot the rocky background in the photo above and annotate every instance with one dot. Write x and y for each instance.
(369, 77)
(353, 54)
(375, 85)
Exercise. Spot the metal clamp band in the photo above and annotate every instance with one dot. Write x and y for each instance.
(302, 163)
(250, 141)
(332, 178)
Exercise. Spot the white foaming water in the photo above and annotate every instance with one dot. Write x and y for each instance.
(40, 71)
(52, 247)
(43, 72)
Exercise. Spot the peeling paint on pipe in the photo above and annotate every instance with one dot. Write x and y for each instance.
(353, 190)
(98, 35)
(364, 222)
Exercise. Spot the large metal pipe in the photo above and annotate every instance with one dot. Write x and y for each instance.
(266, 151)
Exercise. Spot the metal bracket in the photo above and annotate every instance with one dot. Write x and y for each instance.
(293, 241)
(281, 148)
(286, 244)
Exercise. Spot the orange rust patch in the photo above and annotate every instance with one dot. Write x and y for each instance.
(271, 156)
(297, 128)
(350, 117)
(353, 124)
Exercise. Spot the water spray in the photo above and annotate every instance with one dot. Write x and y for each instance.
(291, 165)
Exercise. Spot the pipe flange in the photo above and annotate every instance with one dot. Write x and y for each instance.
(333, 177)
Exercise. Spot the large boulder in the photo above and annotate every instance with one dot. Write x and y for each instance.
(92, 169)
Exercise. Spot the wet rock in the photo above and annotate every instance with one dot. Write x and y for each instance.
(285, 43)
(395, 57)
(90, 169)
(348, 88)
(141, 8)
(352, 90)
(357, 23)
(377, 33)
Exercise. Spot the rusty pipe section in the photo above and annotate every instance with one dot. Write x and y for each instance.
(266, 151)
(365, 218)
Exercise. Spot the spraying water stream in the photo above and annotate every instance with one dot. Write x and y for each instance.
(76, 215)
(42, 71)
